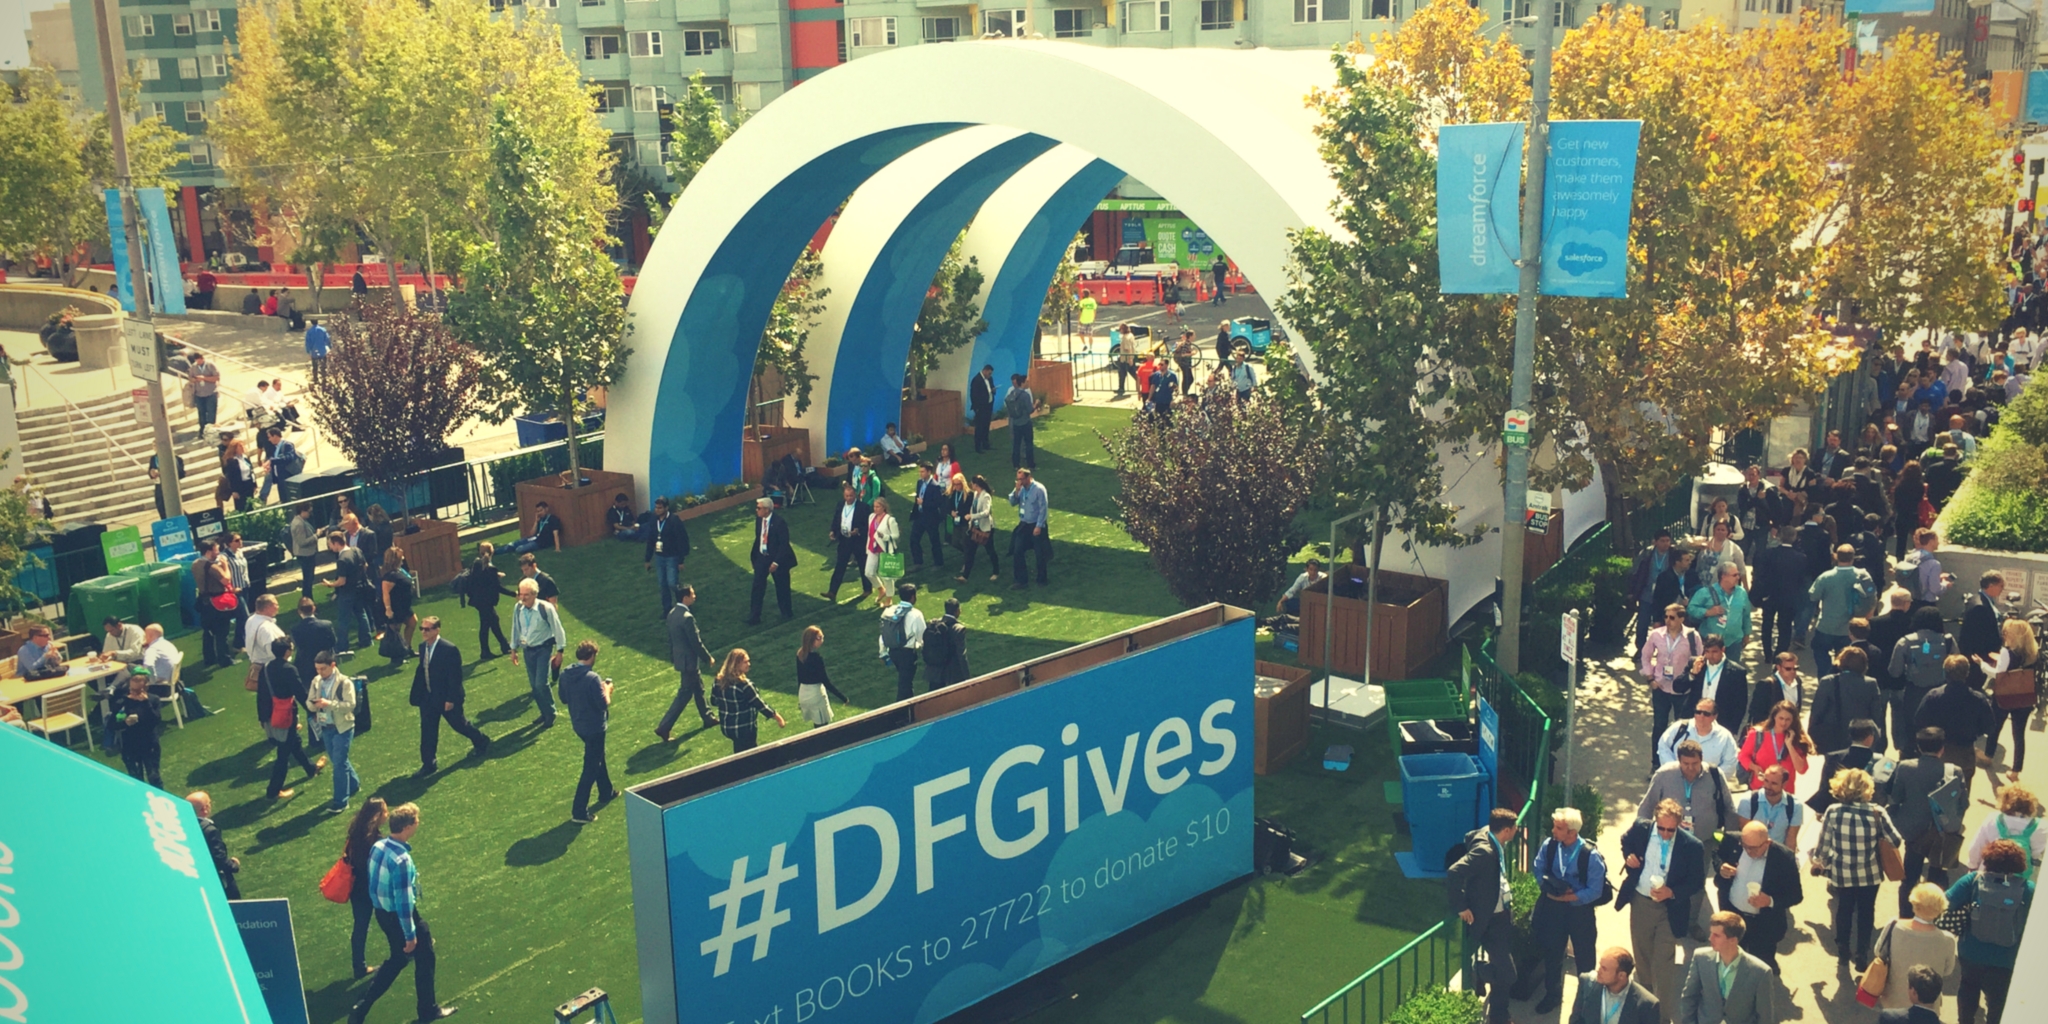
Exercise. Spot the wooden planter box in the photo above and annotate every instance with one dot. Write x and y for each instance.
(435, 552)
(581, 510)
(938, 417)
(1281, 721)
(1407, 632)
(757, 454)
(1054, 379)
(746, 497)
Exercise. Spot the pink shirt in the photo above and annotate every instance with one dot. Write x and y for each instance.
(1665, 656)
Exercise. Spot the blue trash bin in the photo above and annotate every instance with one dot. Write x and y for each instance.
(1444, 796)
(188, 595)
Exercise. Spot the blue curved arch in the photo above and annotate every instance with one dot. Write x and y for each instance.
(1012, 302)
(867, 376)
(701, 403)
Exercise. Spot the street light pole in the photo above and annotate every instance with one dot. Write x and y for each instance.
(1515, 468)
(138, 266)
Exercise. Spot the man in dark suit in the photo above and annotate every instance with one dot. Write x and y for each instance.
(848, 528)
(1614, 982)
(311, 636)
(1977, 637)
(1860, 753)
(1712, 676)
(1923, 994)
(772, 556)
(686, 652)
(981, 398)
(1726, 984)
(668, 543)
(437, 692)
(1663, 868)
(1751, 861)
(928, 518)
(1778, 586)
(1479, 895)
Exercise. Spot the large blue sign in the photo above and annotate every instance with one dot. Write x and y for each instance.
(912, 875)
(266, 927)
(172, 537)
(1589, 186)
(1856, 7)
(1478, 208)
(2036, 111)
(159, 248)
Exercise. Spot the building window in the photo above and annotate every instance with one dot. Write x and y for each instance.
(157, 110)
(195, 111)
(1218, 14)
(181, 24)
(643, 44)
(1380, 9)
(213, 65)
(1784, 6)
(593, 3)
(719, 91)
(750, 95)
(199, 153)
(1072, 22)
(650, 152)
(1148, 15)
(698, 42)
(648, 98)
(1310, 11)
(600, 47)
(871, 32)
(1006, 23)
(147, 69)
(745, 39)
(941, 30)
(139, 25)
(1671, 19)
(543, 3)
(610, 98)
(188, 68)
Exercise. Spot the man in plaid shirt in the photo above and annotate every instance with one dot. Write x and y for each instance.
(395, 893)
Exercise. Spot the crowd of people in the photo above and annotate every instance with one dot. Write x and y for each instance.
(1166, 380)
(1832, 554)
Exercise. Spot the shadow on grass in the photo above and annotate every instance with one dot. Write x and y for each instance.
(541, 849)
(243, 766)
(658, 755)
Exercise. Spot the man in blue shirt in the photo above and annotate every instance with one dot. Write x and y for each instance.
(394, 885)
(1573, 879)
(37, 660)
(588, 697)
(1241, 376)
(316, 348)
(1032, 514)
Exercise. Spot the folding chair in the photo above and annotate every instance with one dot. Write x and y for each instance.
(63, 711)
(175, 697)
(800, 492)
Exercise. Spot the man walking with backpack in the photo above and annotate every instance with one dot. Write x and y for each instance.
(902, 636)
(1964, 714)
(1917, 787)
(1916, 663)
(945, 649)
(1921, 572)
(1999, 897)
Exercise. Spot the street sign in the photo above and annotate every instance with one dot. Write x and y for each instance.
(145, 360)
(1537, 514)
(1568, 637)
(1515, 428)
(140, 398)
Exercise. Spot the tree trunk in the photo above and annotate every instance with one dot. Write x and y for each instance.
(575, 461)
(315, 283)
(1617, 510)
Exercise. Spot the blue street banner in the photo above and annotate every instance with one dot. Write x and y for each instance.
(1589, 186)
(266, 927)
(1855, 7)
(1478, 208)
(2036, 108)
(160, 250)
(172, 537)
(104, 849)
(911, 875)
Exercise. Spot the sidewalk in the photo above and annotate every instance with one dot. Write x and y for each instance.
(1613, 732)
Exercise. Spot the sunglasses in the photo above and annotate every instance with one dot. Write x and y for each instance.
(1662, 831)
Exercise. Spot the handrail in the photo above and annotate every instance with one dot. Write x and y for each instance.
(73, 406)
(1444, 934)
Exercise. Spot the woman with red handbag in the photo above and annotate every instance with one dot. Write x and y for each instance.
(2015, 685)
(281, 681)
(363, 832)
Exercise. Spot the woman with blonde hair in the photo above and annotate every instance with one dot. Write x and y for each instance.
(2018, 819)
(738, 702)
(1848, 855)
(1910, 942)
(883, 536)
(237, 476)
(814, 689)
(396, 584)
(2020, 653)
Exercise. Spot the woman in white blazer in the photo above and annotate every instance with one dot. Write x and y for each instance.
(882, 539)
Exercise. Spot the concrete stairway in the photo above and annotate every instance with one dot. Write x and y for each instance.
(92, 459)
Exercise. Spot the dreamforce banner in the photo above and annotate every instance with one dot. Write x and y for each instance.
(911, 876)
(1478, 208)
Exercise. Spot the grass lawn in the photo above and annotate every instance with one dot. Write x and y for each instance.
(529, 909)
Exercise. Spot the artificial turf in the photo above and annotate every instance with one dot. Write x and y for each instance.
(529, 909)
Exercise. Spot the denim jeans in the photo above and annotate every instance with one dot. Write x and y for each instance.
(346, 784)
(537, 658)
(352, 614)
(665, 570)
(306, 574)
(1824, 647)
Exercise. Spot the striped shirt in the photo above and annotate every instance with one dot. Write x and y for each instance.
(394, 882)
(537, 626)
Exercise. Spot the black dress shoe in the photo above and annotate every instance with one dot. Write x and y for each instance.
(426, 770)
(1549, 1003)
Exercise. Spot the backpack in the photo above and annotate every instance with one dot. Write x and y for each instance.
(1947, 800)
(1606, 885)
(2024, 839)
(1908, 577)
(2001, 902)
(938, 644)
(894, 632)
(1923, 661)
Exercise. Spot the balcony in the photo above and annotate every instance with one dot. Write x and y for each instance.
(613, 66)
(716, 64)
(702, 10)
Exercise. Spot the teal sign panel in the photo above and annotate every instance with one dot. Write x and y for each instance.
(1589, 185)
(1478, 208)
(111, 852)
(2037, 98)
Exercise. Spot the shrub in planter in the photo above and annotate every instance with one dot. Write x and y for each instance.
(1439, 1006)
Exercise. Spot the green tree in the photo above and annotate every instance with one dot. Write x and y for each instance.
(397, 385)
(951, 317)
(538, 297)
(1060, 300)
(697, 127)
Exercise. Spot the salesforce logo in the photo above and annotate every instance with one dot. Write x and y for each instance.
(1580, 258)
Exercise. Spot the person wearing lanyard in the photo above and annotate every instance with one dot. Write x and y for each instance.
(1477, 885)
(1726, 985)
(1663, 867)
(772, 557)
(1774, 807)
(1759, 880)
(1610, 995)
(1573, 877)
(538, 638)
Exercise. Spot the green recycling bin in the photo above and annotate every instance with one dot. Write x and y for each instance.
(93, 600)
(156, 595)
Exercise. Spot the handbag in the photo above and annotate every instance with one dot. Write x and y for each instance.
(889, 565)
(280, 713)
(224, 601)
(254, 679)
(2013, 689)
(1878, 974)
(1889, 861)
(338, 881)
(977, 536)
(363, 721)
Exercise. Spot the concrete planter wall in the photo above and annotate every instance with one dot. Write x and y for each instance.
(1408, 630)
(2026, 572)
(581, 510)
(746, 497)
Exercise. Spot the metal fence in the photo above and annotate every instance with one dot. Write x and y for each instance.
(1430, 960)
